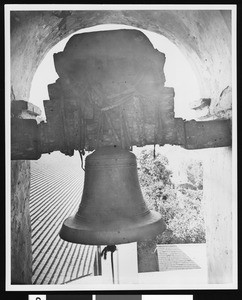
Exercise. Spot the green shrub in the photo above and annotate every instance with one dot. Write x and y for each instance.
(180, 207)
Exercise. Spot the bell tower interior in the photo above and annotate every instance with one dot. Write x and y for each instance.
(204, 38)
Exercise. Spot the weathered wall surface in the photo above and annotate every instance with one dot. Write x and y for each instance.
(21, 255)
(203, 36)
(147, 257)
(219, 214)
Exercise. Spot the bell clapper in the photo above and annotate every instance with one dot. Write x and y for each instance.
(112, 249)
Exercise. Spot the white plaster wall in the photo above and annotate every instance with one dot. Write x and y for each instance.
(219, 214)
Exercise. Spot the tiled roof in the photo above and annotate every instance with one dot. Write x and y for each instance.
(174, 256)
(55, 194)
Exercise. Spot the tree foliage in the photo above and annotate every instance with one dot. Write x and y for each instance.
(180, 207)
(195, 173)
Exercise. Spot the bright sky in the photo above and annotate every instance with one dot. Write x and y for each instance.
(178, 72)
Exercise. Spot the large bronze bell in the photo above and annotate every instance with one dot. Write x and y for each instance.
(112, 209)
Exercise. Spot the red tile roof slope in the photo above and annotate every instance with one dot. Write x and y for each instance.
(55, 194)
(174, 257)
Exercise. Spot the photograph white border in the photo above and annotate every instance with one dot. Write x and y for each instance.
(89, 287)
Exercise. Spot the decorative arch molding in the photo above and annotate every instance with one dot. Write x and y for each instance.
(204, 37)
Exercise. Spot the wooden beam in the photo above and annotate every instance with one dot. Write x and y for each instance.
(25, 142)
(207, 134)
(64, 131)
(19, 107)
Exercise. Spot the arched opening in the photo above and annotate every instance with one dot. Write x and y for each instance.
(46, 171)
(203, 36)
(178, 71)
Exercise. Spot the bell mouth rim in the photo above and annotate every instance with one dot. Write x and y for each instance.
(95, 236)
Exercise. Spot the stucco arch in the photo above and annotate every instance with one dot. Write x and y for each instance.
(203, 37)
